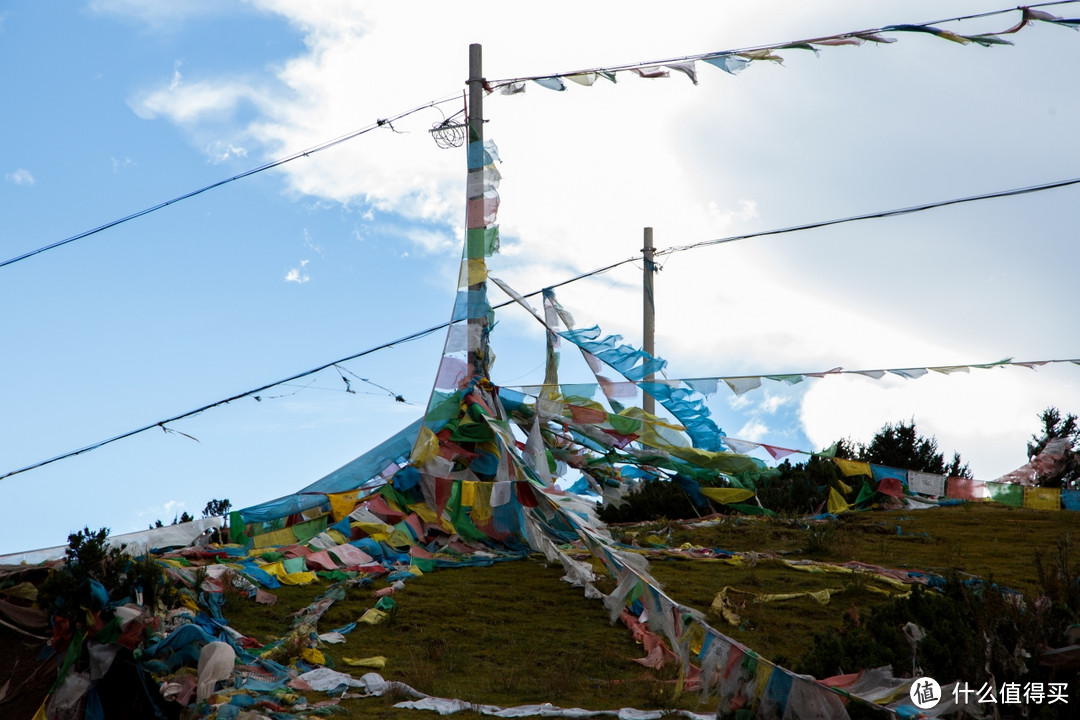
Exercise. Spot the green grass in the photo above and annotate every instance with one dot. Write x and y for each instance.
(989, 541)
(515, 634)
(508, 634)
(979, 539)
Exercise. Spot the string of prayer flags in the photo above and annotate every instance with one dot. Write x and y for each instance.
(735, 61)
(1014, 489)
(740, 384)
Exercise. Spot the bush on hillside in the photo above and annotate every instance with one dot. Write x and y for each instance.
(94, 574)
(651, 500)
(798, 489)
(974, 632)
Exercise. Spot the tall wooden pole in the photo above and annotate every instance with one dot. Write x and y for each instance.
(476, 94)
(648, 404)
(477, 353)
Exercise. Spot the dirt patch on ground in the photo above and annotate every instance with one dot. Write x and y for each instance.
(24, 678)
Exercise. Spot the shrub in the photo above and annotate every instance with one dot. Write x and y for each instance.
(653, 499)
(974, 631)
(91, 567)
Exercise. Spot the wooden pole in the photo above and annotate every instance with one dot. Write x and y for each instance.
(476, 93)
(477, 342)
(648, 403)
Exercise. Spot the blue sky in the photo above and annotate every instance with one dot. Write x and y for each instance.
(115, 106)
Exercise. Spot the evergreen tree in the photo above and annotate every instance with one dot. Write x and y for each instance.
(217, 508)
(901, 446)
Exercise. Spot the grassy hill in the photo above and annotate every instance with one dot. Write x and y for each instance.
(512, 633)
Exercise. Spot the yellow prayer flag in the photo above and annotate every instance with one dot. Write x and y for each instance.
(481, 509)
(727, 495)
(722, 605)
(378, 662)
(426, 447)
(1042, 498)
(284, 536)
(399, 539)
(373, 617)
(851, 467)
(468, 493)
(425, 513)
(837, 503)
(297, 578)
(372, 529)
(723, 461)
(766, 54)
(337, 536)
(473, 272)
(953, 36)
(341, 504)
(695, 637)
(313, 656)
(275, 568)
(764, 672)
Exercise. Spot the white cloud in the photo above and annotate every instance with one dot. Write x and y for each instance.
(294, 275)
(433, 240)
(193, 102)
(770, 404)
(584, 170)
(219, 151)
(21, 176)
(725, 219)
(165, 512)
(740, 402)
(754, 431)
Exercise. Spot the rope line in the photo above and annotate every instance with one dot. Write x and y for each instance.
(434, 328)
(247, 173)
